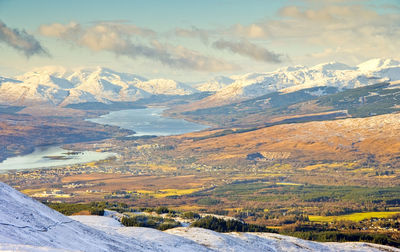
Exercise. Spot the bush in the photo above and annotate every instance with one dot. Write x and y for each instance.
(96, 211)
(190, 215)
(162, 210)
(168, 225)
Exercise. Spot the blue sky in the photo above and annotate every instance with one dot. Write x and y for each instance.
(157, 14)
(194, 40)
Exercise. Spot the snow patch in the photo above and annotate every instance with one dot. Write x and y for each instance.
(27, 225)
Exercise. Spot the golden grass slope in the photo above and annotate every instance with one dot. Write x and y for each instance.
(338, 140)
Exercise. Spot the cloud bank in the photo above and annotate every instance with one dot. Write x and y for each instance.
(21, 41)
(335, 29)
(118, 39)
(194, 32)
(248, 49)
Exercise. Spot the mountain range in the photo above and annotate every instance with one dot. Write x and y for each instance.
(27, 225)
(292, 79)
(59, 86)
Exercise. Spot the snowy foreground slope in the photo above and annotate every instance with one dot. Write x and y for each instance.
(27, 225)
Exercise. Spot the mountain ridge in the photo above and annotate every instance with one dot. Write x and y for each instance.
(59, 86)
(291, 79)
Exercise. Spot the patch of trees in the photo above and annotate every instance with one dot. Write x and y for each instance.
(70, 209)
(149, 221)
(337, 236)
(208, 201)
(230, 225)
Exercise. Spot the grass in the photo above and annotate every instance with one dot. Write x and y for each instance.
(33, 191)
(324, 167)
(288, 183)
(352, 217)
(164, 168)
(162, 193)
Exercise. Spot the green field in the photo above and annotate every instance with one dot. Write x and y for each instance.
(352, 217)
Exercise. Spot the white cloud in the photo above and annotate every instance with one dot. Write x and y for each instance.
(336, 29)
(117, 38)
(194, 32)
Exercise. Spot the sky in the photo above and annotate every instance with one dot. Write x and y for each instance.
(193, 41)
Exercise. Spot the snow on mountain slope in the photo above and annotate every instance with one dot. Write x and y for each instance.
(34, 87)
(377, 64)
(28, 248)
(215, 84)
(78, 96)
(265, 242)
(150, 237)
(198, 239)
(24, 221)
(166, 87)
(59, 86)
(107, 85)
(27, 225)
(290, 79)
(4, 79)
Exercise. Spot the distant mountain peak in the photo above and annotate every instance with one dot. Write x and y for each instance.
(332, 66)
(291, 68)
(215, 84)
(378, 63)
(166, 87)
(60, 86)
(53, 84)
(290, 79)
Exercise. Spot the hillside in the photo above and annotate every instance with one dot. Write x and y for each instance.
(291, 79)
(319, 103)
(371, 142)
(27, 225)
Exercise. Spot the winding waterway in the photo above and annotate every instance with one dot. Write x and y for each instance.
(48, 156)
(148, 121)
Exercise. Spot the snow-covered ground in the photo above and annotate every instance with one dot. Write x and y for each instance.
(27, 225)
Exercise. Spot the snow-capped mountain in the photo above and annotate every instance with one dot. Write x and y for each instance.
(27, 225)
(215, 84)
(166, 87)
(106, 85)
(290, 79)
(59, 86)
